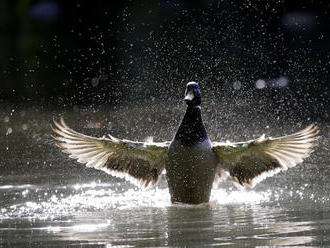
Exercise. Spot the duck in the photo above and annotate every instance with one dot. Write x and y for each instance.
(191, 161)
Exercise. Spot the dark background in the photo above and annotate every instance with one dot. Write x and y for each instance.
(63, 53)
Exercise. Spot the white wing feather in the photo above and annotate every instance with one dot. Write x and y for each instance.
(140, 162)
(250, 162)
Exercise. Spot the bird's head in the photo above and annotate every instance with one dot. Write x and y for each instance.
(192, 95)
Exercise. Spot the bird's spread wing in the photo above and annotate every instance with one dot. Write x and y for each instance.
(250, 162)
(140, 162)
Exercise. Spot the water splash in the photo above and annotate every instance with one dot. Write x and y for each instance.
(95, 197)
(224, 197)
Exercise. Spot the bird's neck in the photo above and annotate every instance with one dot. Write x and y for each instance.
(192, 129)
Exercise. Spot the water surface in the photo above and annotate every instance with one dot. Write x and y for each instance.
(49, 200)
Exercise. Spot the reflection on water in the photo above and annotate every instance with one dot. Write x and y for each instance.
(103, 214)
(50, 200)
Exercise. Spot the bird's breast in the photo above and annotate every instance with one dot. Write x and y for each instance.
(190, 171)
(194, 158)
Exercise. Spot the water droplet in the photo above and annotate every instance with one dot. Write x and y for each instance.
(260, 84)
(9, 131)
(237, 85)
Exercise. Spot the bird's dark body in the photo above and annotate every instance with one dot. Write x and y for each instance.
(191, 163)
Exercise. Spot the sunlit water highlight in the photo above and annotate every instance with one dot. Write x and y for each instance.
(94, 197)
(105, 214)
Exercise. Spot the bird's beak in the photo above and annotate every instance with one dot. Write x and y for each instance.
(189, 96)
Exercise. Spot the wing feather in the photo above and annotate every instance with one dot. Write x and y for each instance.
(140, 162)
(250, 162)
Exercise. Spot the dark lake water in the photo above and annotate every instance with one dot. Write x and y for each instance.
(49, 200)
